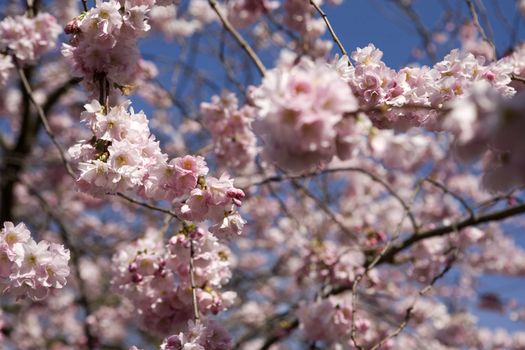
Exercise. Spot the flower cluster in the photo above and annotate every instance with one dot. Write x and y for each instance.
(104, 40)
(410, 96)
(485, 123)
(300, 18)
(517, 60)
(233, 140)
(328, 262)
(30, 269)
(124, 157)
(328, 319)
(242, 13)
(120, 153)
(199, 336)
(156, 278)
(301, 115)
(29, 38)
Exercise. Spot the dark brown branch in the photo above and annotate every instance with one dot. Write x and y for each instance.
(43, 120)
(447, 229)
(517, 78)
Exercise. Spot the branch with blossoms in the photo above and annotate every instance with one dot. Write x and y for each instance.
(235, 185)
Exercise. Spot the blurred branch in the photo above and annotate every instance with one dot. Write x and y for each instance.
(458, 225)
(456, 196)
(43, 119)
(240, 40)
(423, 32)
(279, 178)
(329, 26)
(475, 19)
(422, 292)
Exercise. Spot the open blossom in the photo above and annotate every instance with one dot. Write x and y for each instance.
(124, 157)
(216, 200)
(209, 335)
(233, 140)
(104, 43)
(121, 153)
(328, 319)
(156, 278)
(29, 38)
(377, 85)
(30, 269)
(300, 109)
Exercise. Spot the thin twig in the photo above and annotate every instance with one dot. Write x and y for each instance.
(455, 195)
(373, 263)
(149, 206)
(481, 31)
(329, 26)
(279, 178)
(425, 35)
(196, 314)
(324, 208)
(240, 40)
(422, 292)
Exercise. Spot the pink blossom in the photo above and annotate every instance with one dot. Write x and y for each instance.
(298, 110)
(30, 269)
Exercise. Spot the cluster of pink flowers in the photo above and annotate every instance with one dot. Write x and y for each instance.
(156, 278)
(124, 157)
(327, 319)
(242, 13)
(301, 115)
(328, 262)
(121, 152)
(104, 40)
(420, 90)
(199, 336)
(405, 151)
(517, 60)
(485, 123)
(30, 269)
(28, 38)
(299, 16)
(473, 43)
(233, 140)
(216, 200)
